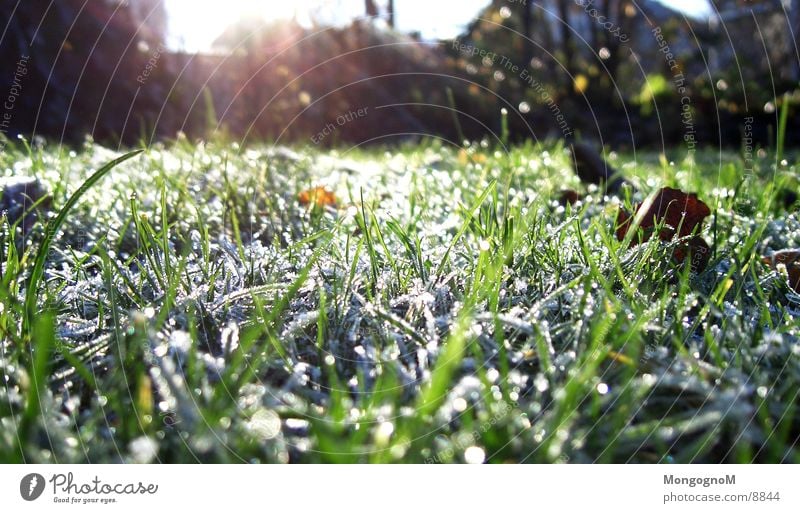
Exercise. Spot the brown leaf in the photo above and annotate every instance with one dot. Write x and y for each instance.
(317, 196)
(623, 222)
(568, 197)
(673, 207)
(790, 259)
(698, 252)
(787, 198)
(680, 214)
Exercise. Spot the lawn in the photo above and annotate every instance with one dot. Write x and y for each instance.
(425, 304)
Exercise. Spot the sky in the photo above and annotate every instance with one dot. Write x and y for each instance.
(194, 24)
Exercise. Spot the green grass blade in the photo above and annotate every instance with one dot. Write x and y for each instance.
(50, 233)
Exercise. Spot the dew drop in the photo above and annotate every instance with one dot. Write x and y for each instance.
(474, 455)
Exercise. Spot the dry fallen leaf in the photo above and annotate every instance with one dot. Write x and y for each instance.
(623, 222)
(465, 157)
(568, 197)
(787, 198)
(678, 211)
(681, 214)
(789, 259)
(698, 251)
(317, 196)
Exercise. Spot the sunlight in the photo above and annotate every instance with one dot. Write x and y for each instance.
(195, 24)
(695, 8)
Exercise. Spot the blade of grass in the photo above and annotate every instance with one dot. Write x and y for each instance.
(50, 233)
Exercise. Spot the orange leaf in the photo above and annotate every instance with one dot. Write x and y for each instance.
(465, 157)
(790, 259)
(317, 196)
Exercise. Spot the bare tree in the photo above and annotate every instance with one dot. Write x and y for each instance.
(568, 52)
(81, 68)
(390, 12)
(613, 42)
(794, 30)
(527, 30)
(370, 8)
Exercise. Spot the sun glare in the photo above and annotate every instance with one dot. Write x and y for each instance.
(195, 24)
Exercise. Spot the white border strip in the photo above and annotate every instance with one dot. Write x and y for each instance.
(355, 488)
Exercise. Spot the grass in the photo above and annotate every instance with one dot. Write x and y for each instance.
(186, 308)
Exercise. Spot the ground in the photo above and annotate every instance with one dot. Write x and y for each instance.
(441, 305)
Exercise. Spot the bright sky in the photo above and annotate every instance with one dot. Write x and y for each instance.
(195, 24)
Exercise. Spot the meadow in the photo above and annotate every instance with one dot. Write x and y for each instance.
(207, 302)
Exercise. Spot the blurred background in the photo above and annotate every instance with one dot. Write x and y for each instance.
(623, 72)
